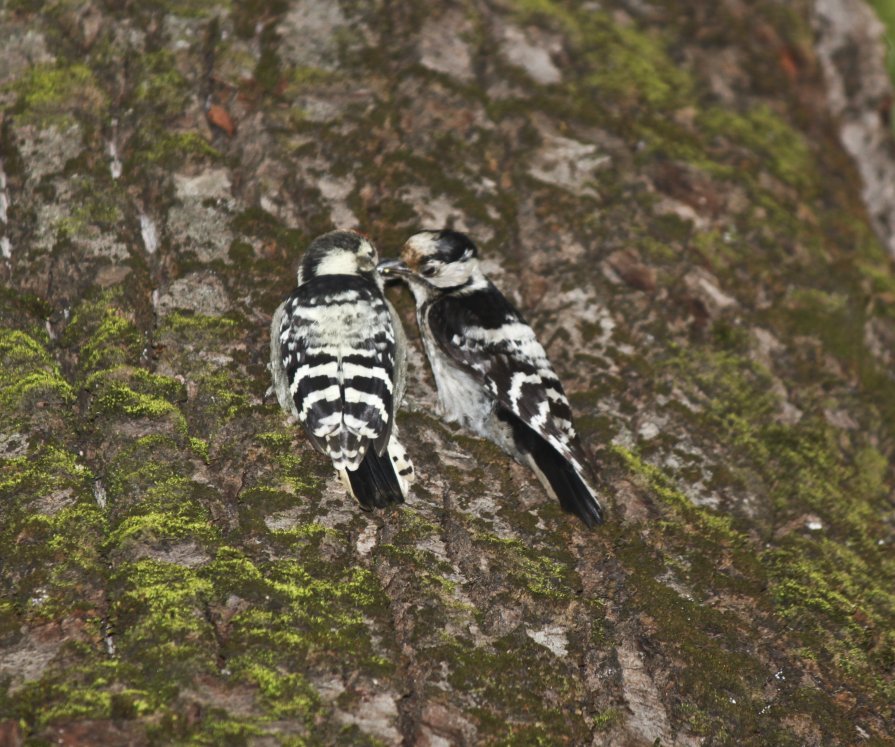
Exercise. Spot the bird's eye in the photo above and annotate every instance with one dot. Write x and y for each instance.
(429, 270)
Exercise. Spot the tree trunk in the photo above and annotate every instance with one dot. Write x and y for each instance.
(659, 186)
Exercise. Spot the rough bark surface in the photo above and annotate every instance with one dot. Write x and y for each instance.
(659, 185)
(852, 51)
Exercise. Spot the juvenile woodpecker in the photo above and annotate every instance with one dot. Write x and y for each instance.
(337, 359)
(492, 374)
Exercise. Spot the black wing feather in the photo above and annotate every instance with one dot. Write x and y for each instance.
(495, 361)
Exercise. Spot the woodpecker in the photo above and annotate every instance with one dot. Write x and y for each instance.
(337, 361)
(492, 374)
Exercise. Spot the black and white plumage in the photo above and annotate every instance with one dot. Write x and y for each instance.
(492, 374)
(337, 360)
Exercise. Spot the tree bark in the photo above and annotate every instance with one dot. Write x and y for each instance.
(660, 187)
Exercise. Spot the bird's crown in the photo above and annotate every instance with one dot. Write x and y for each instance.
(338, 253)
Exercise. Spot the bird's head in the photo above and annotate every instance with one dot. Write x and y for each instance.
(338, 253)
(433, 261)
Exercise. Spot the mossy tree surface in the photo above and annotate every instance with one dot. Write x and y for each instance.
(657, 184)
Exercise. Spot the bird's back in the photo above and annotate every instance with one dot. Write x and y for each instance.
(337, 350)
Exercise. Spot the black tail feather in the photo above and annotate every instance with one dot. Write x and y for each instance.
(557, 473)
(374, 483)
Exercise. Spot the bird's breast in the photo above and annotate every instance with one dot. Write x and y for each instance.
(463, 399)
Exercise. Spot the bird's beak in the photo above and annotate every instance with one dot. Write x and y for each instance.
(392, 267)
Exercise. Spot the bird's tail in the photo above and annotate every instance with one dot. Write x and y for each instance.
(560, 474)
(380, 480)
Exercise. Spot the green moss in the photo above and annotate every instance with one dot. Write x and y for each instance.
(199, 328)
(161, 85)
(17, 348)
(534, 570)
(805, 457)
(103, 334)
(840, 602)
(721, 249)
(621, 63)
(300, 78)
(16, 303)
(297, 617)
(151, 474)
(241, 253)
(232, 570)
(300, 532)
(117, 398)
(663, 489)
(285, 610)
(717, 681)
(300, 474)
(165, 592)
(28, 374)
(605, 720)
(51, 532)
(169, 495)
(139, 380)
(115, 340)
(830, 316)
(216, 401)
(59, 572)
(769, 141)
(53, 698)
(95, 211)
(217, 393)
(200, 447)
(671, 228)
(550, 10)
(9, 618)
(276, 441)
(430, 571)
(197, 8)
(260, 501)
(871, 471)
(285, 695)
(885, 9)
(838, 319)
(159, 610)
(50, 94)
(519, 692)
(48, 460)
(412, 526)
(167, 149)
(134, 393)
(819, 581)
(160, 92)
(219, 727)
(155, 526)
(268, 73)
(259, 223)
(531, 735)
(632, 67)
(286, 625)
(878, 271)
(88, 687)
